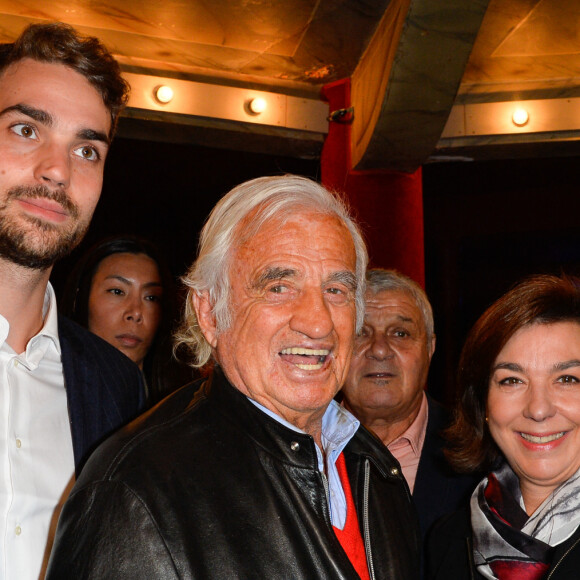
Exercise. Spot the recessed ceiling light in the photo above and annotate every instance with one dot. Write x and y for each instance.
(163, 94)
(520, 117)
(258, 105)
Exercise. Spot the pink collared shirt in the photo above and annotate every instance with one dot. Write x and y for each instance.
(408, 446)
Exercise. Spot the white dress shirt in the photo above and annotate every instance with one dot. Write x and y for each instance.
(36, 454)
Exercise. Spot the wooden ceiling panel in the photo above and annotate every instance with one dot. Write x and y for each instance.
(525, 49)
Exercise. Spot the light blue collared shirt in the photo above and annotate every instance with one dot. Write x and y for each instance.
(338, 428)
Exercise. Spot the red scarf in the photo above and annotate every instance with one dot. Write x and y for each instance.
(499, 542)
(350, 537)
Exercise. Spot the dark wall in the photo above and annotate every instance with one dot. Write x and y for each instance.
(487, 225)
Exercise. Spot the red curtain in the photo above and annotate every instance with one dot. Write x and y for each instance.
(387, 204)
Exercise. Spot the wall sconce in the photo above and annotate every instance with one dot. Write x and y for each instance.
(520, 117)
(163, 94)
(257, 105)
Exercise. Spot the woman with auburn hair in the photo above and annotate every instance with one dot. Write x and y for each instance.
(518, 418)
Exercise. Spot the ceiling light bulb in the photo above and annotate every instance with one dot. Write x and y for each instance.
(163, 94)
(520, 117)
(258, 105)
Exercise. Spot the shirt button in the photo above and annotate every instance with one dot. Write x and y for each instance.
(18, 530)
(295, 446)
(394, 471)
(18, 443)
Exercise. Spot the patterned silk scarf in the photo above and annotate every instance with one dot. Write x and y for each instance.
(507, 543)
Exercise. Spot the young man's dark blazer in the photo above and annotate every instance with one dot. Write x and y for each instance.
(104, 388)
(438, 489)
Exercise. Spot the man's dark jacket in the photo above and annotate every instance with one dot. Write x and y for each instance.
(104, 388)
(208, 486)
(438, 489)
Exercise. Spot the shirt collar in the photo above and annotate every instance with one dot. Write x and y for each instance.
(338, 426)
(46, 337)
(50, 316)
(415, 433)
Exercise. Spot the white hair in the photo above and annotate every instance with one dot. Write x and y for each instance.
(267, 199)
(379, 280)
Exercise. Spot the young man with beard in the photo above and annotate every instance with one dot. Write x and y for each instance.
(62, 390)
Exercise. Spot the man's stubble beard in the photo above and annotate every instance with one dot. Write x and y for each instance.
(41, 244)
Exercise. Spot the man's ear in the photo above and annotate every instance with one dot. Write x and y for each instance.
(205, 317)
(432, 347)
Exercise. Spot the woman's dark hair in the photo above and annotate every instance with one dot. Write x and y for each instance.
(537, 300)
(60, 43)
(75, 303)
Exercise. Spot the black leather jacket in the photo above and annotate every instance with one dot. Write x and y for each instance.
(208, 486)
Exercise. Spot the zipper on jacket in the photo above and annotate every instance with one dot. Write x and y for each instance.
(327, 496)
(560, 560)
(366, 526)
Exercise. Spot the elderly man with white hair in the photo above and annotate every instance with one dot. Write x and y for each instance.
(258, 472)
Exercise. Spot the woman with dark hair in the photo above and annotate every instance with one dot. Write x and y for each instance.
(122, 291)
(518, 418)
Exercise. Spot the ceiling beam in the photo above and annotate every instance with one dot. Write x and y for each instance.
(405, 85)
